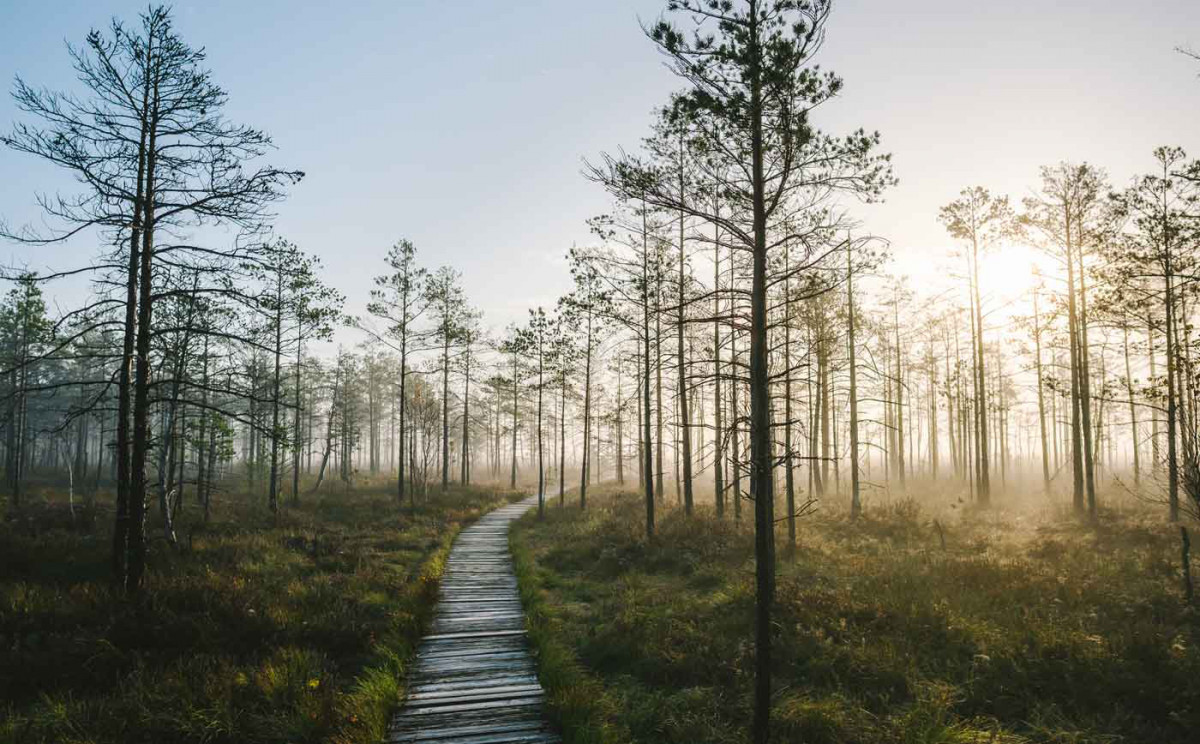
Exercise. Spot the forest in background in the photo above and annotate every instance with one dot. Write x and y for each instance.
(737, 342)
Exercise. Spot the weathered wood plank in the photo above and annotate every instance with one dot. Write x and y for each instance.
(533, 702)
(499, 680)
(472, 646)
(466, 726)
(527, 736)
(497, 719)
(474, 694)
(483, 634)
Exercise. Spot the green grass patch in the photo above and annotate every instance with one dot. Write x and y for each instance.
(1016, 632)
(253, 629)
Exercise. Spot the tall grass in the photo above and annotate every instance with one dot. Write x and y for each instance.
(1016, 631)
(255, 629)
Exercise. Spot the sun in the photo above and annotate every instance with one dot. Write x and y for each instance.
(1008, 277)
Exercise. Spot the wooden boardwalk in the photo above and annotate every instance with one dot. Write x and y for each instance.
(473, 680)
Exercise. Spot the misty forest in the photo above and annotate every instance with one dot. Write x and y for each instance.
(751, 469)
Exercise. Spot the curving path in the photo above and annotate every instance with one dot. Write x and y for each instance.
(473, 680)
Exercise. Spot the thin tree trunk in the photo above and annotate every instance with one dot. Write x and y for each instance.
(446, 411)
(513, 476)
(789, 459)
(1041, 399)
(719, 431)
(466, 430)
(1172, 402)
(900, 463)
(1133, 421)
(276, 390)
(648, 475)
(587, 411)
(1085, 390)
(122, 453)
(540, 446)
(984, 486)
(855, 499)
(760, 411)
(684, 413)
(297, 433)
(136, 551)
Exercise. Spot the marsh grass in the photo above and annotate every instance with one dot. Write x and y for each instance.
(254, 629)
(1018, 631)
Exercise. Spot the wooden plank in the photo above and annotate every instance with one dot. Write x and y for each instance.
(418, 709)
(474, 694)
(460, 736)
(472, 646)
(465, 666)
(467, 725)
(497, 719)
(481, 681)
(494, 651)
(483, 634)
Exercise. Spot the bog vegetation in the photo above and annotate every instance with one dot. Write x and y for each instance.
(255, 628)
(909, 624)
(216, 529)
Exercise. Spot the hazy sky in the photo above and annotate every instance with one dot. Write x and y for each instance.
(462, 125)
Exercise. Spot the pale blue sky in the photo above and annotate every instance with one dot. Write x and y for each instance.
(462, 125)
